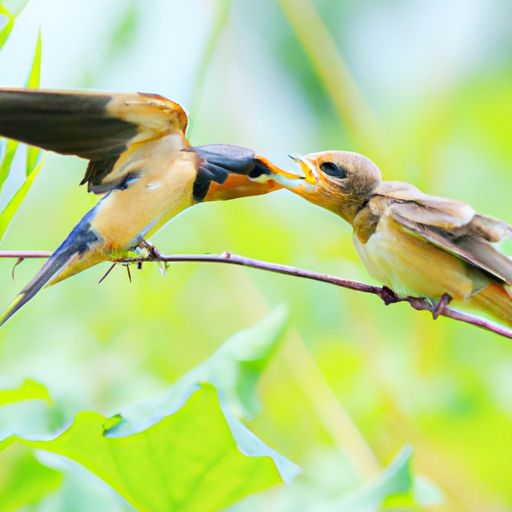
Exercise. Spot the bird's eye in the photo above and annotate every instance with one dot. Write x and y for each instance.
(331, 169)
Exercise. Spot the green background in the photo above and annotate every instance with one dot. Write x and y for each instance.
(424, 88)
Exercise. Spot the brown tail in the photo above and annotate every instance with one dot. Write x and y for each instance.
(495, 299)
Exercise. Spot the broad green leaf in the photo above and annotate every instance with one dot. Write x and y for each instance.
(188, 451)
(233, 369)
(24, 480)
(28, 390)
(187, 461)
(395, 480)
(13, 205)
(239, 362)
(33, 81)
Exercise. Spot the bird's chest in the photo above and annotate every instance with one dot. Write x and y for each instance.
(410, 265)
(167, 185)
(161, 190)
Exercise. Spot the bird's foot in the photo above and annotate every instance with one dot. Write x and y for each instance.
(152, 252)
(441, 306)
(388, 296)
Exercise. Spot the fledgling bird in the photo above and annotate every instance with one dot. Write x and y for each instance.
(139, 159)
(415, 244)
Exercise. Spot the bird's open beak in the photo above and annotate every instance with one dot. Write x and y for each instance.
(295, 181)
(306, 168)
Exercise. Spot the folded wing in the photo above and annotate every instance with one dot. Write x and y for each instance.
(455, 227)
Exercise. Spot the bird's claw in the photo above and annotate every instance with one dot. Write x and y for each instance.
(164, 266)
(441, 306)
(152, 252)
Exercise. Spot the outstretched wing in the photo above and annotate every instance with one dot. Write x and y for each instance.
(97, 126)
(455, 227)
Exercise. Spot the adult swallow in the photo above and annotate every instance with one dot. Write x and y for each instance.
(139, 160)
(413, 243)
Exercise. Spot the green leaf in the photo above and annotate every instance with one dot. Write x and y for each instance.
(31, 167)
(11, 147)
(10, 9)
(13, 205)
(395, 480)
(186, 451)
(34, 76)
(239, 362)
(14, 6)
(233, 369)
(187, 461)
(33, 82)
(28, 390)
(7, 28)
(24, 480)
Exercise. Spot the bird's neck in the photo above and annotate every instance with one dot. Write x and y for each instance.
(351, 208)
(365, 222)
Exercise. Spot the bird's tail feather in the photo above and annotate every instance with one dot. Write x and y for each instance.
(496, 299)
(76, 253)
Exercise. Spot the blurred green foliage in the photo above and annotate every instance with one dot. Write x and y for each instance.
(185, 450)
(424, 88)
(11, 147)
(24, 481)
(28, 390)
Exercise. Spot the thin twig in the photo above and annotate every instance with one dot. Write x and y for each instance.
(384, 293)
(105, 275)
(24, 255)
(13, 271)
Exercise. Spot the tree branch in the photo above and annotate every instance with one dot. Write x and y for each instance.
(384, 293)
